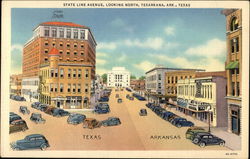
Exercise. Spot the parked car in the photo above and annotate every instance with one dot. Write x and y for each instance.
(143, 112)
(42, 107)
(24, 110)
(59, 112)
(117, 95)
(131, 98)
(35, 104)
(119, 100)
(12, 113)
(14, 117)
(204, 139)
(37, 118)
(34, 141)
(104, 99)
(76, 118)
(101, 109)
(18, 98)
(17, 125)
(173, 117)
(111, 121)
(181, 122)
(49, 110)
(191, 131)
(91, 123)
(141, 98)
(166, 115)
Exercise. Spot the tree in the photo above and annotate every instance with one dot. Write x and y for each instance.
(132, 77)
(104, 78)
(142, 78)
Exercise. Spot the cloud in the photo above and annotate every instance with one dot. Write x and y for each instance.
(120, 23)
(214, 48)
(153, 43)
(122, 58)
(16, 58)
(117, 22)
(101, 54)
(100, 61)
(169, 30)
(101, 71)
(108, 46)
(144, 66)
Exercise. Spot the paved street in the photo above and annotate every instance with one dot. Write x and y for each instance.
(135, 133)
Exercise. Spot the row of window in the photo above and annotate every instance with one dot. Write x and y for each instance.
(62, 33)
(46, 43)
(75, 73)
(30, 83)
(174, 79)
(67, 52)
(191, 90)
(71, 88)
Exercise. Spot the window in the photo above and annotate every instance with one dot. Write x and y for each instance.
(55, 87)
(82, 34)
(159, 76)
(68, 34)
(68, 45)
(61, 87)
(61, 32)
(69, 87)
(74, 88)
(46, 31)
(74, 73)
(61, 52)
(53, 32)
(75, 34)
(238, 88)
(56, 72)
(69, 73)
(87, 73)
(82, 46)
(235, 45)
(51, 73)
(79, 73)
(75, 53)
(86, 88)
(75, 45)
(46, 51)
(46, 59)
(61, 44)
(234, 24)
(233, 89)
(237, 71)
(79, 88)
(51, 87)
(46, 43)
(61, 72)
(82, 53)
(68, 53)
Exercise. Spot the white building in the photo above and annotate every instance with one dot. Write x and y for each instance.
(30, 88)
(118, 77)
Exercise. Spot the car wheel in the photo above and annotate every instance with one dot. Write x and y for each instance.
(43, 147)
(179, 126)
(222, 143)
(195, 140)
(23, 129)
(202, 144)
(16, 149)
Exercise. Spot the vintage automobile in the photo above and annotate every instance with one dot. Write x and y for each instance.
(59, 112)
(101, 108)
(104, 99)
(24, 110)
(42, 107)
(91, 123)
(76, 118)
(204, 139)
(33, 141)
(18, 98)
(191, 131)
(37, 118)
(172, 117)
(111, 121)
(181, 122)
(119, 100)
(141, 98)
(49, 110)
(143, 112)
(12, 113)
(35, 105)
(17, 125)
(13, 117)
(165, 115)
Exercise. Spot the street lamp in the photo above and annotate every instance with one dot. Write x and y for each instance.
(209, 118)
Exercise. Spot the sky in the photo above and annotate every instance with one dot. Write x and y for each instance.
(137, 39)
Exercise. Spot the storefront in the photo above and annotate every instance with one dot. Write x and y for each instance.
(234, 118)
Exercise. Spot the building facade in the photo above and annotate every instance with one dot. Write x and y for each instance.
(203, 98)
(119, 77)
(16, 84)
(65, 84)
(138, 86)
(233, 67)
(75, 43)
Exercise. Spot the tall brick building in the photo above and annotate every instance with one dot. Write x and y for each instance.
(75, 43)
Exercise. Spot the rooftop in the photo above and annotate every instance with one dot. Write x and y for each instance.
(69, 24)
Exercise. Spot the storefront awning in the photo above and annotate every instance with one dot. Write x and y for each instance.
(232, 65)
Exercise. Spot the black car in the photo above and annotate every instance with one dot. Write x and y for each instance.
(13, 117)
(42, 107)
(111, 121)
(24, 110)
(143, 112)
(104, 99)
(37, 118)
(166, 115)
(59, 112)
(119, 100)
(181, 122)
(76, 118)
(35, 105)
(204, 138)
(19, 98)
(34, 141)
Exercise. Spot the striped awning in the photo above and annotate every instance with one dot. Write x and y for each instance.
(232, 65)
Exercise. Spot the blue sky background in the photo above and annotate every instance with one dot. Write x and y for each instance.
(137, 39)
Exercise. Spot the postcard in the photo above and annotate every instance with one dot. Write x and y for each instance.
(125, 79)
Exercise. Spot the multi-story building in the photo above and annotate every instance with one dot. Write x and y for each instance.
(155, 82)
(119, 77)
(203, 97)
(65, 84)
(16, 84)
(138, 86)
(75, 44)
(233, 67)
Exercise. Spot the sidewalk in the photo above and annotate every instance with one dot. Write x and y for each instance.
(232, 141)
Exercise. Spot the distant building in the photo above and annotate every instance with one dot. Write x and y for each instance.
(65, 84)
(16, 84)
(119, 77)
(234, 68)
(203, 97)
(138, 86)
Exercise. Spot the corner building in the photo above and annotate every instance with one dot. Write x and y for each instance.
(234, 68)
(65, 84)
(74, 42)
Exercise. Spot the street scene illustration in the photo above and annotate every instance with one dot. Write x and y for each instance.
(125, 79)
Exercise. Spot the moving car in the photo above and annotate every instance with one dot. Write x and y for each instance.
(33, 141)
(203, 139)
(37, 118)
(76, 118)
(143, 112)
(91, 123)
(24, 110)
(17, 125)
(111, 121)
(57, 112)
(191, 131)
(119, 100)
(181, 122)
